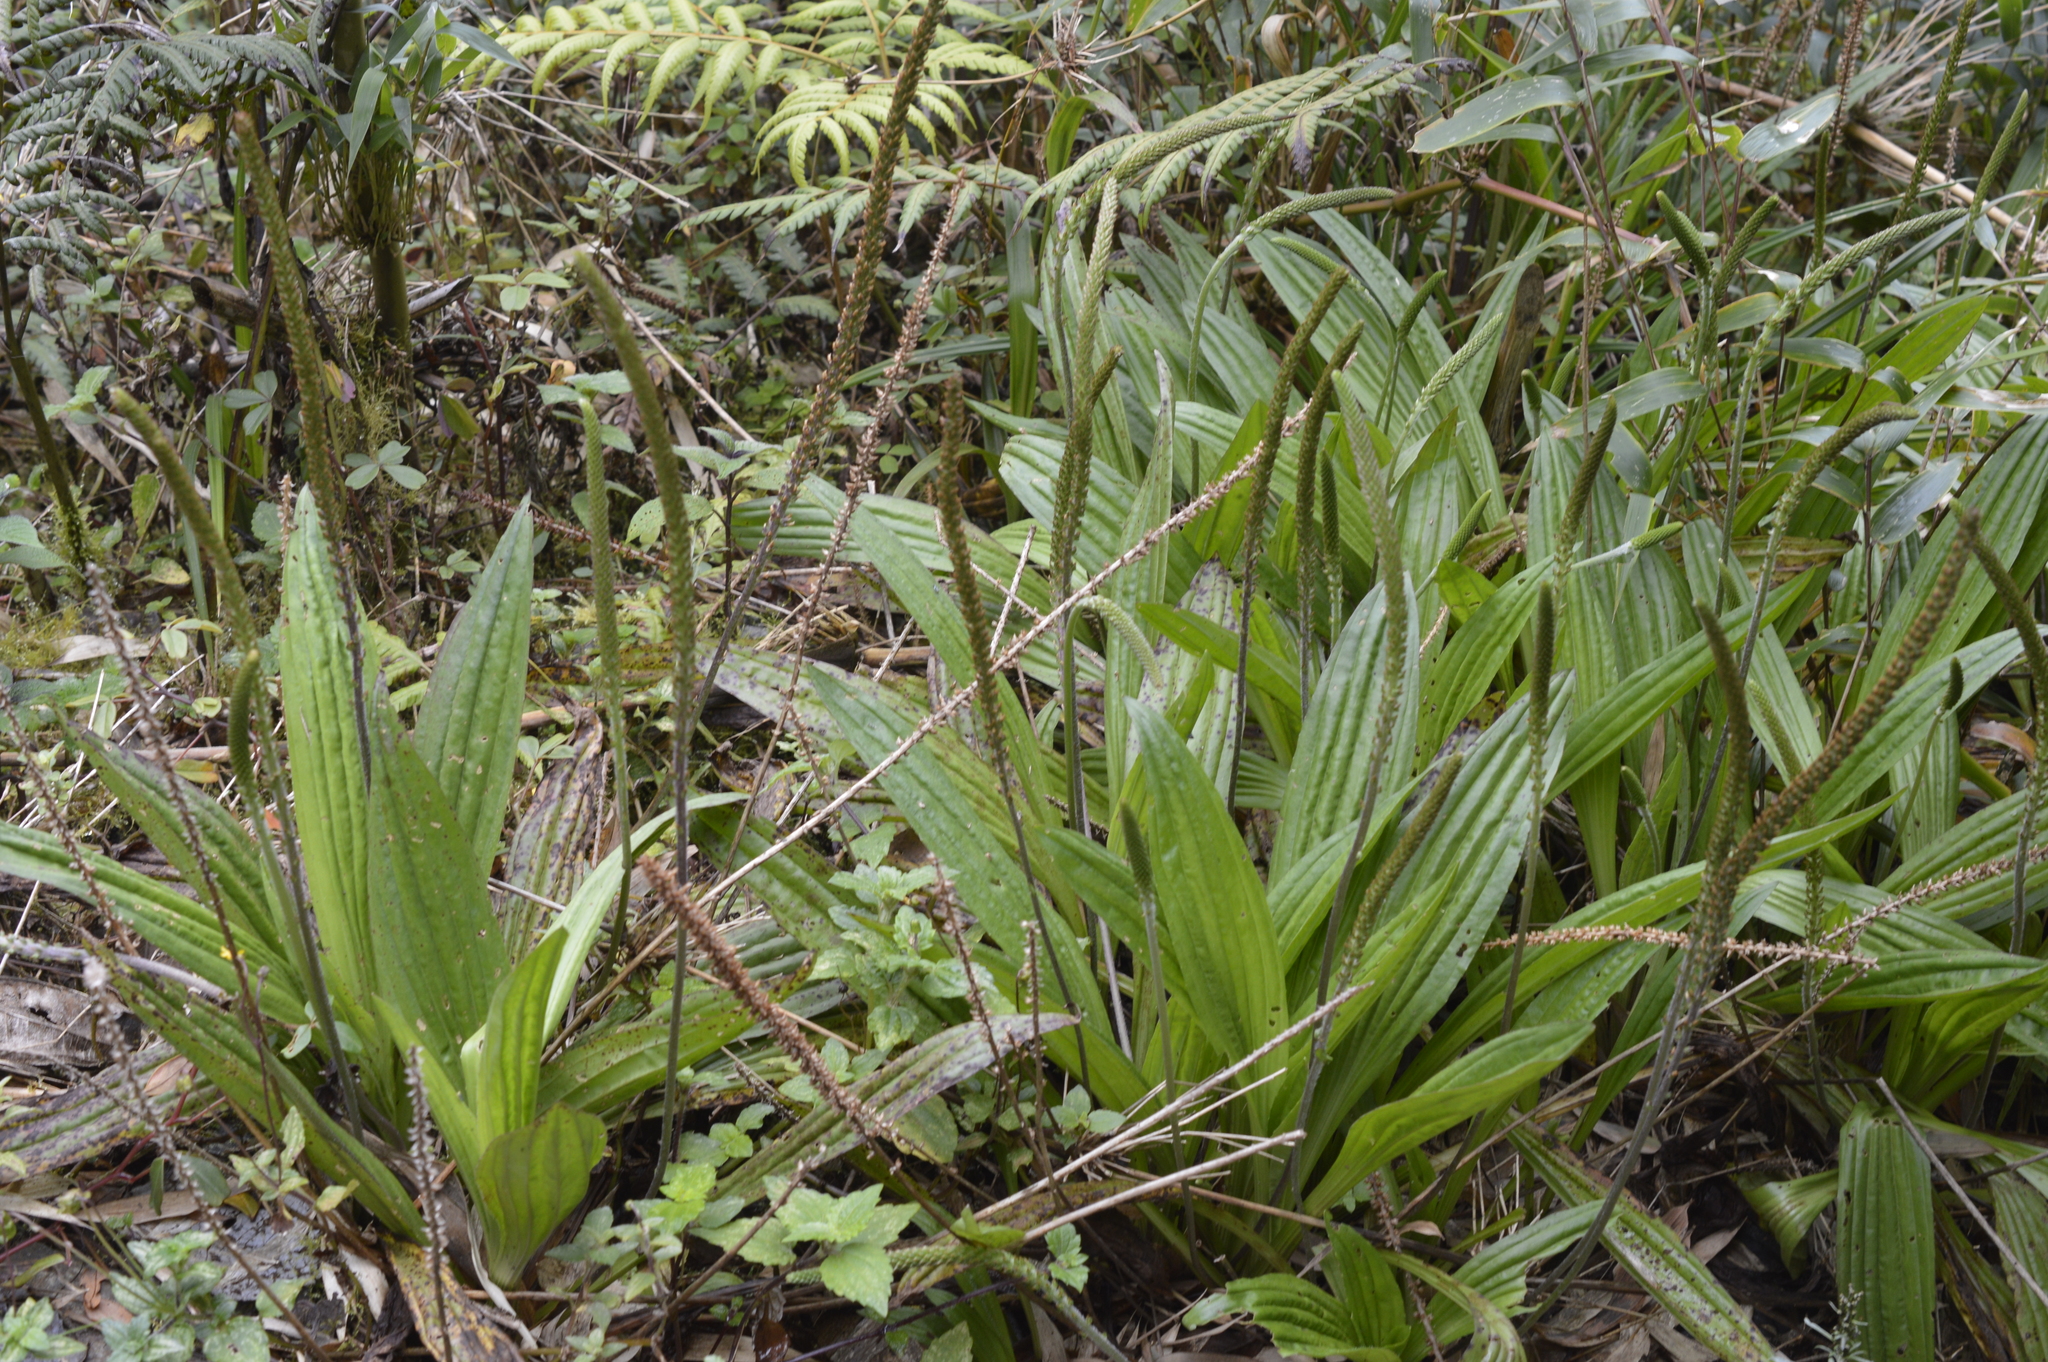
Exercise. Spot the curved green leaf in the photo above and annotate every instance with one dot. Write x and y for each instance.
(437, 946)
(1490, 1074)
(322, 710)
(468, 727)
(1884, 1236)
(1502, 104)
(528, 1180)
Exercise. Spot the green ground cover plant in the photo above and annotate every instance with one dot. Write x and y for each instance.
(1026, 681)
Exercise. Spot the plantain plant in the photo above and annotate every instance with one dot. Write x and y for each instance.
(396, 831)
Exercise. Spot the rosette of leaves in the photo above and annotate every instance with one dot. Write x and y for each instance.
(375, 935)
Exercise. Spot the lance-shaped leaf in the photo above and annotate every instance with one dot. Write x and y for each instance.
(1490, 1074)
(528, 1180)
(468, 731)
(1885, 1248)
(438, 950)
(1650, 1252)
(322, 711)
(218, 1048)
(892, 1092)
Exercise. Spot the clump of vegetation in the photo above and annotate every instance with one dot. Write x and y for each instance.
(1012, 681)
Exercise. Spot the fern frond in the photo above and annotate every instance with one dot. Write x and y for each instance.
(805, 305)
(829, 109)
(1163, 156)
(752, 208)
(745, 278)
(815, 53)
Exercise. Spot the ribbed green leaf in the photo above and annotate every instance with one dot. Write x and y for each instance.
(586, 911)
(1650, 1252)
(1328, 777)
(1904, 722)
(514, 1033)
(1473, 472)
(1213, 923)
(451, 1110)
(232, 859)
(792, 883)
(602, 1073)
(1465, 1088)
(1788, 1209)
(1460, 674)
(322, 710)
(1920, 976)
(1935, 1048)
(1302, 1318)
(1884, 1236)
(1447, 898)
(468, 727)
(528, 1180)
(983, 868)
(1490, 1074)
(2022, 1220)
(217, 1045)
(1640, 697)
(438, 948)
(1494, 1337)
(2010, 493)
(184, 930)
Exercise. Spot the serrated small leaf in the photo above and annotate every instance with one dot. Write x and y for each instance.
(810, 1214)
(860, 1273)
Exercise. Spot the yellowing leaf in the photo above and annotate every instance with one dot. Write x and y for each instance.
(194, 133)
